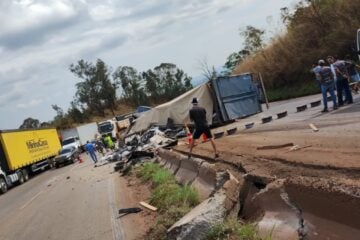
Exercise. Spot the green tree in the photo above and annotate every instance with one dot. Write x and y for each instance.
(131, 83)
(254, 39)
(96, 89)
(166, 82)
(75, 114)
(60, 120)
(29, 123)
(253, 43)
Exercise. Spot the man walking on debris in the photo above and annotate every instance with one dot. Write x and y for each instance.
(326, 78)
(198, 116)
(89, 147)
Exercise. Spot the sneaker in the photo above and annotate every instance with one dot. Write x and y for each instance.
(335, 107)
(324, 111)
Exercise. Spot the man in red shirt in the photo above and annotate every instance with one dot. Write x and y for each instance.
(198, 116)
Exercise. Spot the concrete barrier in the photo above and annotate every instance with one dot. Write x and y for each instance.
(205, 182)
(188, 171)
(249, 125)
(282, 114)
(173, 160)
(315, 104)
(218, 135)
(301, 108)
(266, 119)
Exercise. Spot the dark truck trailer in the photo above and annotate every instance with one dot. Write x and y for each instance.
(23, 152)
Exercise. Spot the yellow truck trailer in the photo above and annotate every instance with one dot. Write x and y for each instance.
(25, 151)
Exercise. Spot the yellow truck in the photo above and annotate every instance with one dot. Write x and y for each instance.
(23, 152)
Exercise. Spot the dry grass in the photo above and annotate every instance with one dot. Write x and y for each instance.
(326, 28)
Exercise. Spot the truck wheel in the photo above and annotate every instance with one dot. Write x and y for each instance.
(25, 174)
(21, 178)
(3, 186)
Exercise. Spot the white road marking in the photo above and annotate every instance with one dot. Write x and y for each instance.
(116, 227)
(32, 199)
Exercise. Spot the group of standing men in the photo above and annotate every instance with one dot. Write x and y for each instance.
(99, 145)
(336, 76)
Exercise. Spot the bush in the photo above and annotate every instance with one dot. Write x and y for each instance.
(172, 200)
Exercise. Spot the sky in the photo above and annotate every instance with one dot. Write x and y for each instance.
(39, 39)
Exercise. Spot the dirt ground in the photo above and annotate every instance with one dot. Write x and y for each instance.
(133, 191)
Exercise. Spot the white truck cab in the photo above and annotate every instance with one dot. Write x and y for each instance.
(71, 142)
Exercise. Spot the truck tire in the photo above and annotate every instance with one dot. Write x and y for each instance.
(3, 186)
(25, 174)
(21, 178)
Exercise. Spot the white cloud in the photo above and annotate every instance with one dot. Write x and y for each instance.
(39, 39)
(32, 103)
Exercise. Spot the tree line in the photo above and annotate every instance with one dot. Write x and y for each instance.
(314, 30)
(96, 92)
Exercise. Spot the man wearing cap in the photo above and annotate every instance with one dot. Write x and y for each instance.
(327, 84)
(198, 116)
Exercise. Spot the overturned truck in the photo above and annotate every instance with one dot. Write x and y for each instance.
(224, 98)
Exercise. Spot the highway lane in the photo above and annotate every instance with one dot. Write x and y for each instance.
(74, 202)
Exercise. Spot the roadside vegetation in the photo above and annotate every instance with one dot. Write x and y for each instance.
(313, 30)
(102, 93)
(235, 230)
(172, 200)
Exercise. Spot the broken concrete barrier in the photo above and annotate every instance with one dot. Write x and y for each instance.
(188, 170)
(279, 219)
(197, 223)
(173, 160)
(206, 181)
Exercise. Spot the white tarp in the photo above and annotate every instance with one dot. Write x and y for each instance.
(177, 109)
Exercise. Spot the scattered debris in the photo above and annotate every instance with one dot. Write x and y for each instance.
(275, 146)
(297, 147)
(313, 127)
(49, 185)
(126, 211)
(148, 206)
(68, 177)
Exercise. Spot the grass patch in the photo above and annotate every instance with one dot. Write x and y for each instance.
(172, 200)
(235, 230)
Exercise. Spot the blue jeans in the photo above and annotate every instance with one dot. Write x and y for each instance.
(328, 88)
(93, 156)
(342, 85)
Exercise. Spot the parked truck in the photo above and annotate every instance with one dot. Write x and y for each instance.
(78, 136)
(23, 152)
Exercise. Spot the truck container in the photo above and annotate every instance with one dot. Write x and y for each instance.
(78, 136)
(25, 151)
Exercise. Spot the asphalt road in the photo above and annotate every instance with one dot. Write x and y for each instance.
(74, 202)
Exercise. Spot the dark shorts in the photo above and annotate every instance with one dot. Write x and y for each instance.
(200, 130)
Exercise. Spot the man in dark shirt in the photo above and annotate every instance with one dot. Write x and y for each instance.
(198, 116)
